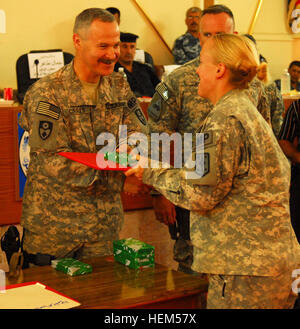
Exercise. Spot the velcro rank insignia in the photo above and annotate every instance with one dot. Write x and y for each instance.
(131, 103)
(48, 110)
(163, 91)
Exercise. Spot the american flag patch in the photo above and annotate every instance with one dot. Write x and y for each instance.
(49, 110)
(163, 91)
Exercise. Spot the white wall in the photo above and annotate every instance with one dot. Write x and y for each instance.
(37, 24)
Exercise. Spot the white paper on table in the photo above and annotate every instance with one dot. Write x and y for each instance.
(34, 296)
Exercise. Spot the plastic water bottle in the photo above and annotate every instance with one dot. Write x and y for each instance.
(121, 70)
(285, 82)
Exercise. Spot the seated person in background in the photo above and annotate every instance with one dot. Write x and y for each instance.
(294, 71)
(187, 46)
(141, 77)
(274, 97)
(147, 59)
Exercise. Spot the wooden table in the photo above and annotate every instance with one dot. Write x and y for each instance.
(114, 286)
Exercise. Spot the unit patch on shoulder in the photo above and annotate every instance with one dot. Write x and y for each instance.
(140, 116)
(48, 110)
(45, 129)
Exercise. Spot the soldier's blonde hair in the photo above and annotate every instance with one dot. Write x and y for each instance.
(263, 73)
(239, 55)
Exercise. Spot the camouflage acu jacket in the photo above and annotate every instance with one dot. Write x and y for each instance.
(59, 116)
(240, 223)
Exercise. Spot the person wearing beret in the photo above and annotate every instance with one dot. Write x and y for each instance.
(141, 78)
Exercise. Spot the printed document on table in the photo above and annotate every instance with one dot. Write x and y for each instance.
(34, 296)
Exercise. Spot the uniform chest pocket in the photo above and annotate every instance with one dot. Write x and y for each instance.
(114, 113)
(80, 130)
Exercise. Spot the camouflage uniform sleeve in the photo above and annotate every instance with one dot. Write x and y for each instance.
(134, 118)
(136, 123)
(276, 106)
(164, 109)
(231, 159)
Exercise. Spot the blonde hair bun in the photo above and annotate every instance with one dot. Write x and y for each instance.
(239, 55)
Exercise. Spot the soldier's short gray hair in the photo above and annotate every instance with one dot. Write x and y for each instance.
(86, 17)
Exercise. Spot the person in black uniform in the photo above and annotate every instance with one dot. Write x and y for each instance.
(141, 78)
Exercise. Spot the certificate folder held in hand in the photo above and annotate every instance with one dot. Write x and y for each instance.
(94, 159)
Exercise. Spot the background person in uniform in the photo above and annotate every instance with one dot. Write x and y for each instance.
(273, 93)
(294, 71)
(240, 223)
(70, 209)
(176, 107)
(187, 46)
(274, 96)
(141, 77)
(116, 12)
(148, 60)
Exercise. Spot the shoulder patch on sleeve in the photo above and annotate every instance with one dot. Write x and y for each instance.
(140, 116)
(48, 110)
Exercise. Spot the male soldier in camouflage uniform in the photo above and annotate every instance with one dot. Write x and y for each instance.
(70, 209)
(176, 106)
(240, 222)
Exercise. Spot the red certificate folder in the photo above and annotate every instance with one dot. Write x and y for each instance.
(90, 159)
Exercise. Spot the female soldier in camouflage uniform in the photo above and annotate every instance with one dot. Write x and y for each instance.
(240, 221)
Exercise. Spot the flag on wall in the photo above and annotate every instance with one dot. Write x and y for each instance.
(293, 18)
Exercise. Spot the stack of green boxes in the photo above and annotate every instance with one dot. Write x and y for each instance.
(134, 253)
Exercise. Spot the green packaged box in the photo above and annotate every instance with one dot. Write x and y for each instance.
(120, 158)
(71, 266)
(134, 253)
